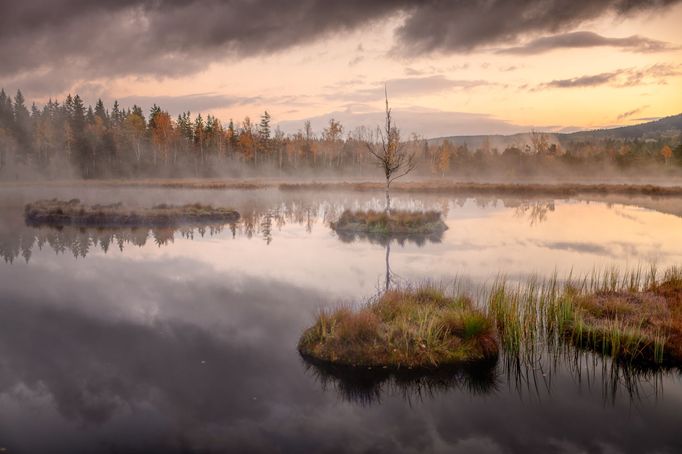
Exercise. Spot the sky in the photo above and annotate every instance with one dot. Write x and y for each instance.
(450, 67)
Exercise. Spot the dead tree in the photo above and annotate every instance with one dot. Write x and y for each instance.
(391, 154)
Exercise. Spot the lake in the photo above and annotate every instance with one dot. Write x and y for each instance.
(184, 340)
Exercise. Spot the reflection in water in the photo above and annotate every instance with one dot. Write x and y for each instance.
(534, 210)
(18, 239)
(260, 219)
(80, 241)
(383, 239)
(533, 377)
(367, 386)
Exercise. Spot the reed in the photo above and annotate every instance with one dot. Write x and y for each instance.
(628, 315)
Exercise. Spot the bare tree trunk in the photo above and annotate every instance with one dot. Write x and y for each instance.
(388, 197)
(388, 265)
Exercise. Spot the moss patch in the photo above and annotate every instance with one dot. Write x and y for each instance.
(418, 327)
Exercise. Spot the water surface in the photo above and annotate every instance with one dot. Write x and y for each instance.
(184, 340)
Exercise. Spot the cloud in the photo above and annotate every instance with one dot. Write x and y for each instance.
(583, 81)
(406, 87)
(584, 39)
(628, 77)
(630, 113)
(199, 102)
(428, 123)
(460, 26)
(168, 38)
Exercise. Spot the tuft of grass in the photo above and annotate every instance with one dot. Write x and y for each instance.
(418, 327)
(73, 212)
(397, 222)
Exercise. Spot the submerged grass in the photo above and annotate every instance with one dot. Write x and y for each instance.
(397, 222)
(630, 316)
(418, 327)
(73, 212)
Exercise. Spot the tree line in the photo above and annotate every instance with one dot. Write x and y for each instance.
(68, 138)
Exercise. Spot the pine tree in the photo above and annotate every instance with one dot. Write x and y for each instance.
(101, 113)
(81, 151)
(22, 128)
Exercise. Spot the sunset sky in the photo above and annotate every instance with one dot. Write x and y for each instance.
(451, 67)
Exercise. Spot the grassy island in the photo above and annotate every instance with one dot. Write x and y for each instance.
(631, 316)
(398, 222)
(73, 212)
(418, 327)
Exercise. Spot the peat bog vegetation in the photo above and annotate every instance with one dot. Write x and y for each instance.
(397, 222)
(420, 327)
(632, 317)
(72, 212)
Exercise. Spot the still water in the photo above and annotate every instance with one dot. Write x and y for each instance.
(184, 340)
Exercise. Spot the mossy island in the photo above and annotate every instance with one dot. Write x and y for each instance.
(395, 222)
(413, 327)
(56, 212)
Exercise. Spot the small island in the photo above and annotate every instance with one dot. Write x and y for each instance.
(413, 327)
(397, 222)
(56, 212)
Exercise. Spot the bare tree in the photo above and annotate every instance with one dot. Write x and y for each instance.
(394, 160)
(540, 142)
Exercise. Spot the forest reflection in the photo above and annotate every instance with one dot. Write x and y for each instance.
(258, 220)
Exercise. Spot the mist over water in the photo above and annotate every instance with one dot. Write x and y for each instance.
(185, 340)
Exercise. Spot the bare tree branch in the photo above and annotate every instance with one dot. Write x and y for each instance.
(391, 154)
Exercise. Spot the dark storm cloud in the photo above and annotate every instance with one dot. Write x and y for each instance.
(462, 26)
(588, 39)
(174, 37)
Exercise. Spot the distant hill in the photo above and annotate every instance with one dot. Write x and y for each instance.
(668, 127)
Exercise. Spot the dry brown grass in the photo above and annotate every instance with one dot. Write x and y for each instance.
(73, 212)
(398, 222)
(418, 327)
(519, 189)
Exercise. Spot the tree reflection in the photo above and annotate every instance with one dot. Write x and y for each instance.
(259, 218)
(535, 211)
